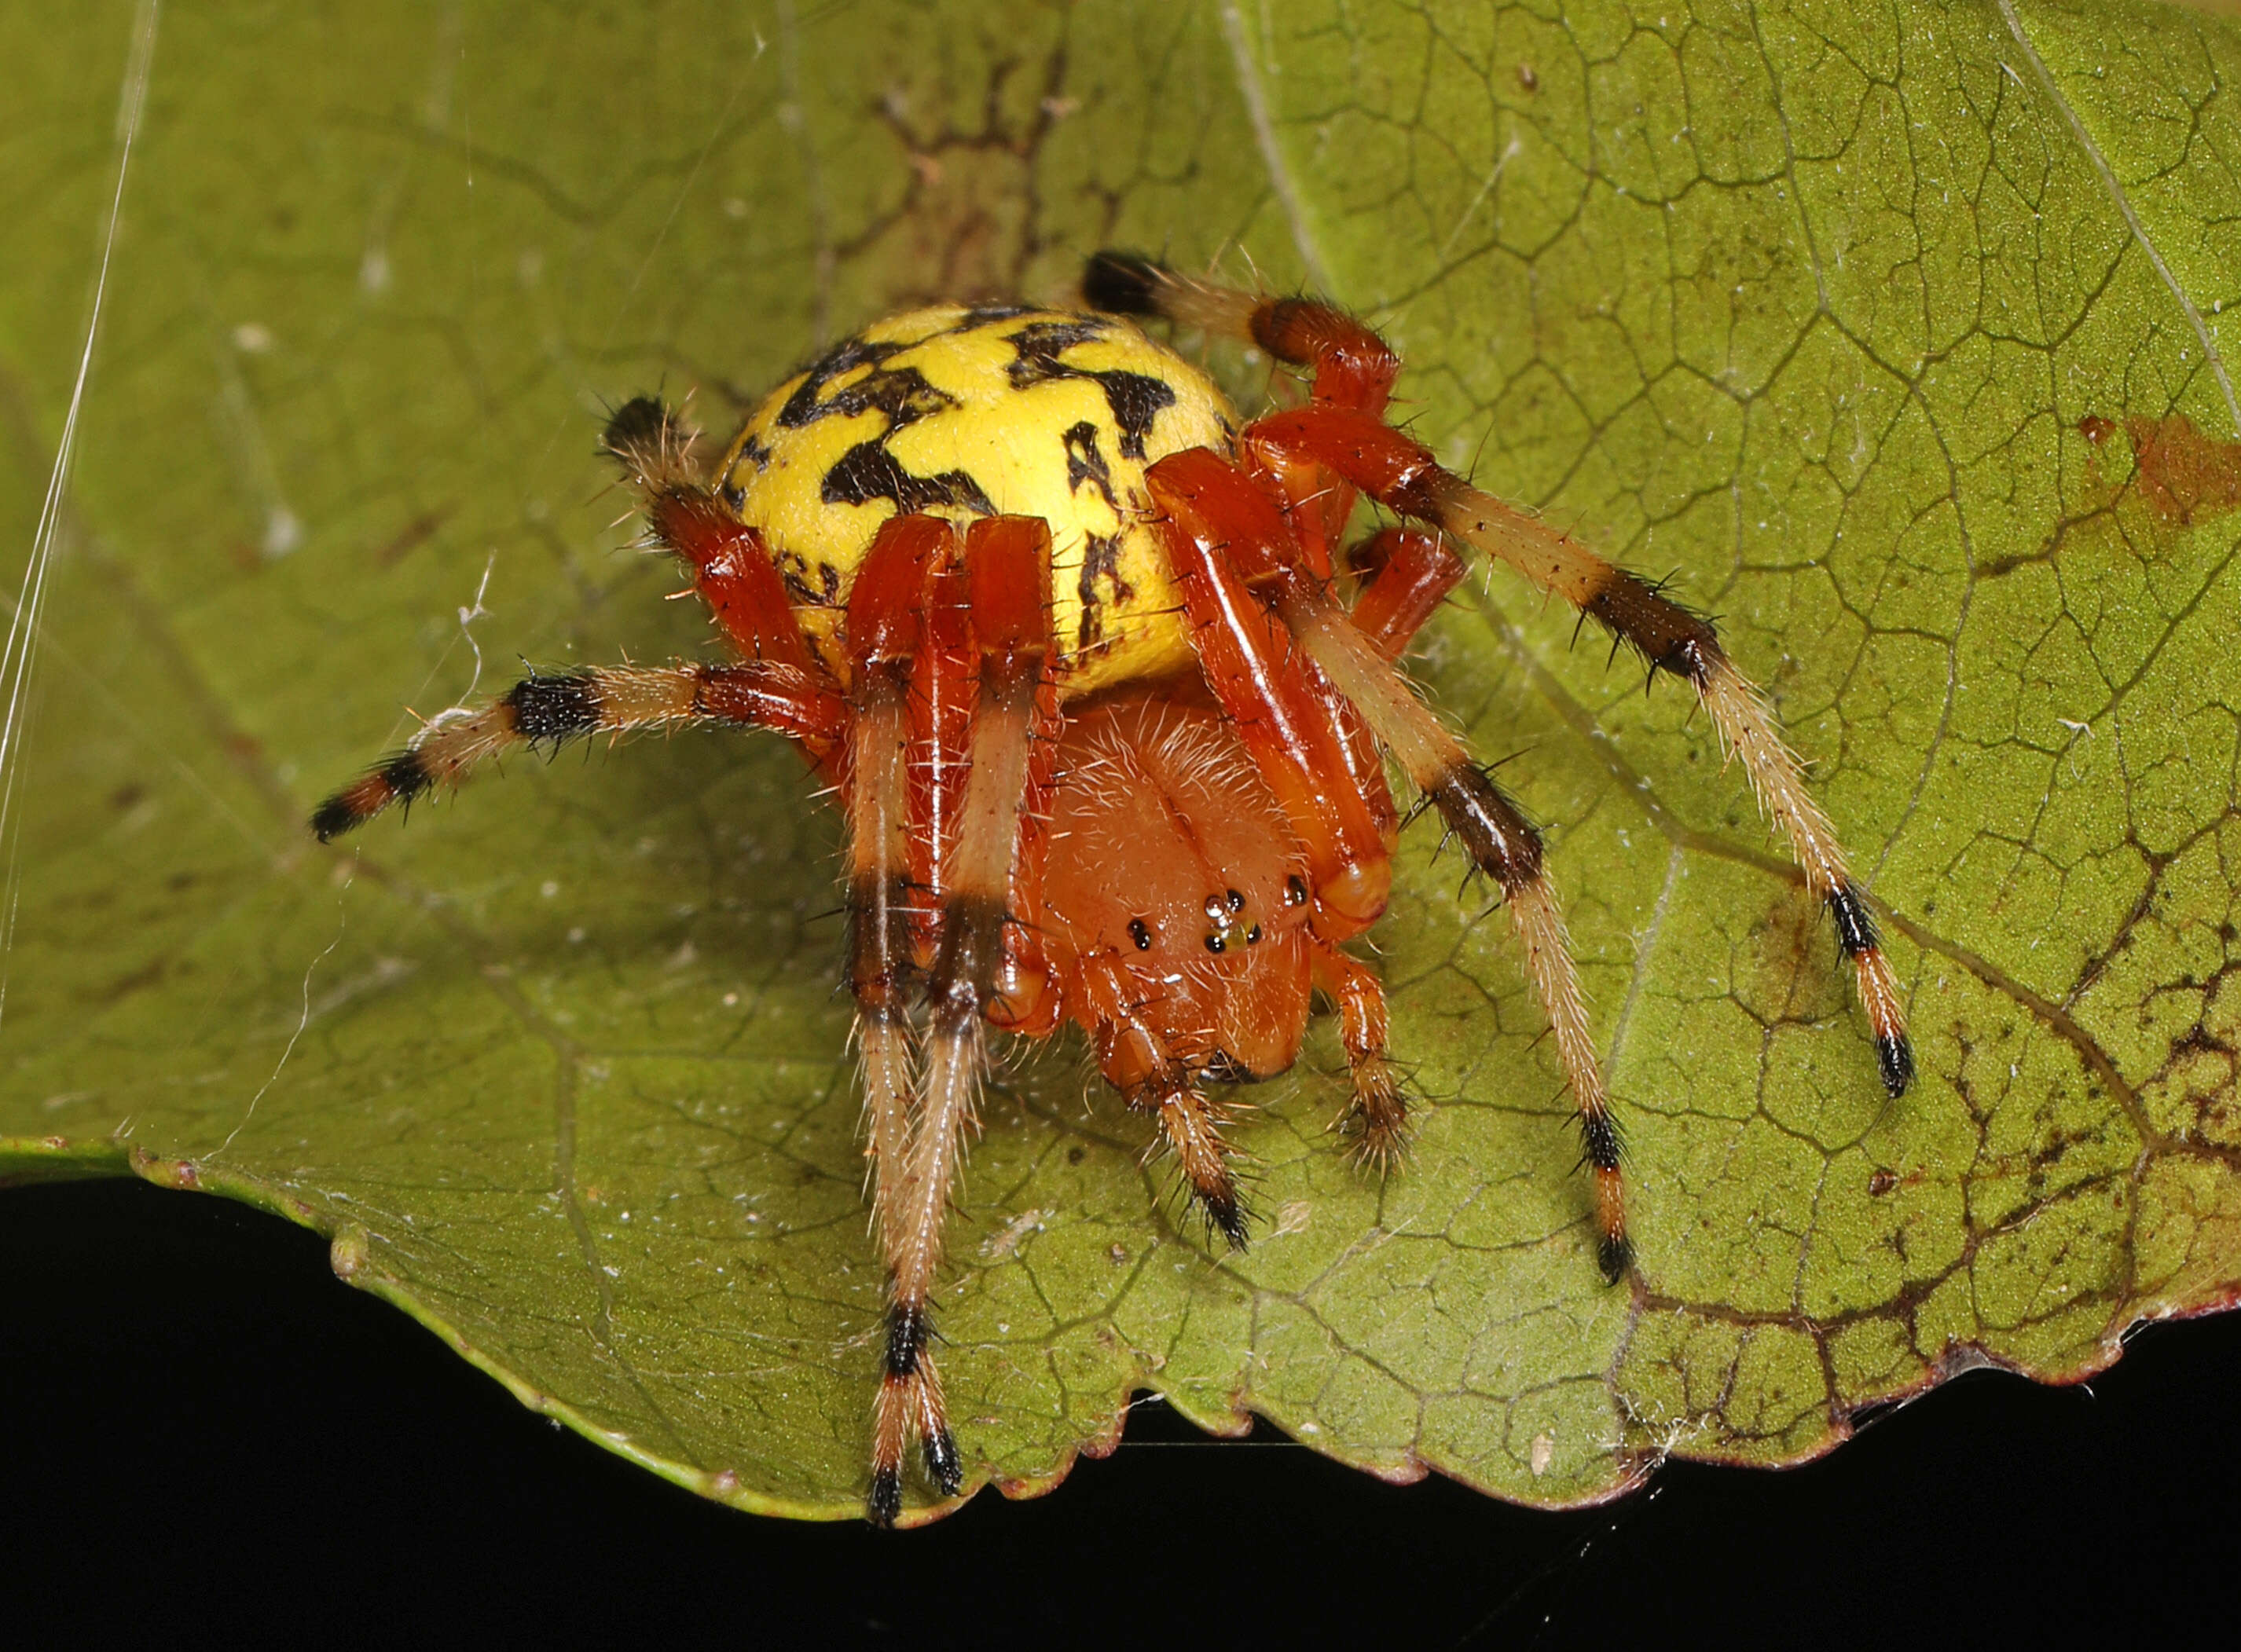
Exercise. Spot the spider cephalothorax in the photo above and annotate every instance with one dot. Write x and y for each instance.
(1067, 637)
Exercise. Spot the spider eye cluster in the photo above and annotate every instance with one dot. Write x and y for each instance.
(1224, 910)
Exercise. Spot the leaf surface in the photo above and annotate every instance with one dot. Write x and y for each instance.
(1896, 337)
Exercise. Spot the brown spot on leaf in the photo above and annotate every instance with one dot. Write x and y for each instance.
(2185, 475)
(411, 536)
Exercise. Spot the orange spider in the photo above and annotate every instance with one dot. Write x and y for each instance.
(1064, 639)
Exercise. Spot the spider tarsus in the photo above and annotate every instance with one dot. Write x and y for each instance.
(1227, 1214)
(1377, 1120)
(1378, 1149)
(1857, 940)
(884, 1500)
(1122, 283)
(334, 818)
(653, 446)
(639, 424)
(1614, 1255)
(399, 779)
(943, 1465)
(1895, 1061)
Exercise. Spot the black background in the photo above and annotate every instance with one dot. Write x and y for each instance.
(205, 1430)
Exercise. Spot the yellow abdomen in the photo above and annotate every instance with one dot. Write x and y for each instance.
(968, 413)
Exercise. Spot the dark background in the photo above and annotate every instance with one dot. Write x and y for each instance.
(203, 1430)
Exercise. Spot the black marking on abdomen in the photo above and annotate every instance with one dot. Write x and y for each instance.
(987, 315)
(1136, 399)
(868, 472)
(1085, 462)
(901, 393)
(1100, 560)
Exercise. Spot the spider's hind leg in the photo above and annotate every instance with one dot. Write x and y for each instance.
(1008, 566)
(555, 707)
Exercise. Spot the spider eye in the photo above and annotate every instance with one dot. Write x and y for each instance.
(1253, 934)
(1236, 902)
(1217, 942)
(1295, 891)
(1138, 933)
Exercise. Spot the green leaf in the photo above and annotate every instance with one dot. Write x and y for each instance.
(1899, 337)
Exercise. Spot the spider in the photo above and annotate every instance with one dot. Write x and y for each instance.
(1066, 640)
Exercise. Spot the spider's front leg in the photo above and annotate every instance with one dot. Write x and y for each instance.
(1343, 434)
(883, 638)
(1402, 475)
(1231, 542)
(1007, 570)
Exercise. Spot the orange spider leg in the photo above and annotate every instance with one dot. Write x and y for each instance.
(1402, 474)
(1027, 1001)
(1336, 802)
(1136, 1062)
(1407, 575)
(948, 686)
(882, 639)
(1495, 833)
(732, 567)
(1007, 568)
(1352, 368)
(616, 700)
(1379, 1114)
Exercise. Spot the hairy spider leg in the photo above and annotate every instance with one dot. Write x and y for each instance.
(1352, 367)
(1402, 475)
(1007, 568)
(553, 708)
(1135, 1060)
(1299, 731)
(1379, 1117)
(947, 689)
(883, 638)
(1338, 806)
(1241, 541)
(732, 567)
(1343, 431)
(1407, 573)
